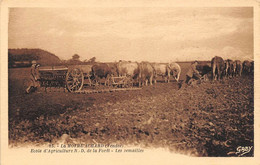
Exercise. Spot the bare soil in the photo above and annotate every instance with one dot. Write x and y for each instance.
(207, 119)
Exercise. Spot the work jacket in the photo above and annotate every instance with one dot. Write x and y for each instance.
(192, 70)
(35, 75)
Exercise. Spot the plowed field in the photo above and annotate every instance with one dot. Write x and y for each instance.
(206, 119)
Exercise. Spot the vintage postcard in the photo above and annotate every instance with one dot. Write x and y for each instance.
(140, 82)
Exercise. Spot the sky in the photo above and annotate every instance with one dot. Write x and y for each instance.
(155, 34)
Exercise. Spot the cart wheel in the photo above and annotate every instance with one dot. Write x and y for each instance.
(74, 80)
(95, 82)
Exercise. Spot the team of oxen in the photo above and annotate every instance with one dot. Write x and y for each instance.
(229, 68)
(145, 72)
(140, 73)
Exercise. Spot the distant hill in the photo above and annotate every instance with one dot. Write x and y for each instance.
(23, 57)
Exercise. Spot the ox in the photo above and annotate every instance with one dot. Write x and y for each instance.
(204, 69)
(231, 67)
(247, 66)
(87, 71)
(175, 70)
(113, 69)
(225, 72)
(218, 66)
(129, 69)
(234, 68)
(161, 70)
(99, 71)
(146, 73)
(239, 67)
(252, 67)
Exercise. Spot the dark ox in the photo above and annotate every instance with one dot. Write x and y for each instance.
(101, 70)
(175, 70)
(218, 66)
(225, 72)
(247, 67)
(146, 73)
(239, 67)
(113, 69)
(204, 69)
(161, 70)
(230, 68)
(252, 67)
(234, 69)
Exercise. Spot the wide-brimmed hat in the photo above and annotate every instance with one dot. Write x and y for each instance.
(34, 62)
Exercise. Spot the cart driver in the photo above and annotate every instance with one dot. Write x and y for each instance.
(34, 77)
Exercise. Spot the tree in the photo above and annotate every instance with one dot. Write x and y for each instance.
(75, 57)
(74, 60)
(92, 60)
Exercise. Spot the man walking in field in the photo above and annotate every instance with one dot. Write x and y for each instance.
(34, 77)
(192, 73)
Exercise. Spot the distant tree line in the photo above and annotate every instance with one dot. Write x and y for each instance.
(75, 60)
(24, 57)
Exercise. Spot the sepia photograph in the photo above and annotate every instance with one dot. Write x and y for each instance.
(126, 80)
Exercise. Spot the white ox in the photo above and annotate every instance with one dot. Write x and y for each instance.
(161, 70)
(166, 70)
(175, 70)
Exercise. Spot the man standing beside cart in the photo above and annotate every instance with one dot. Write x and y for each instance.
(34, 78)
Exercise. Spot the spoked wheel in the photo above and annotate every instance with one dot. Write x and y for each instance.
(74, 80)
(95, 82)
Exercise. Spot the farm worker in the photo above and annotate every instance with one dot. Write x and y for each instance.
(192, 73)
(34, 77)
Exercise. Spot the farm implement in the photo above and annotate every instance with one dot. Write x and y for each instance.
(78, 78)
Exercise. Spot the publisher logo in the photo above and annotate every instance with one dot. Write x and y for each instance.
(242, 150)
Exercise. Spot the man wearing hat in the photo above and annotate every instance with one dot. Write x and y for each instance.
(34, 77)
(192, 73)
